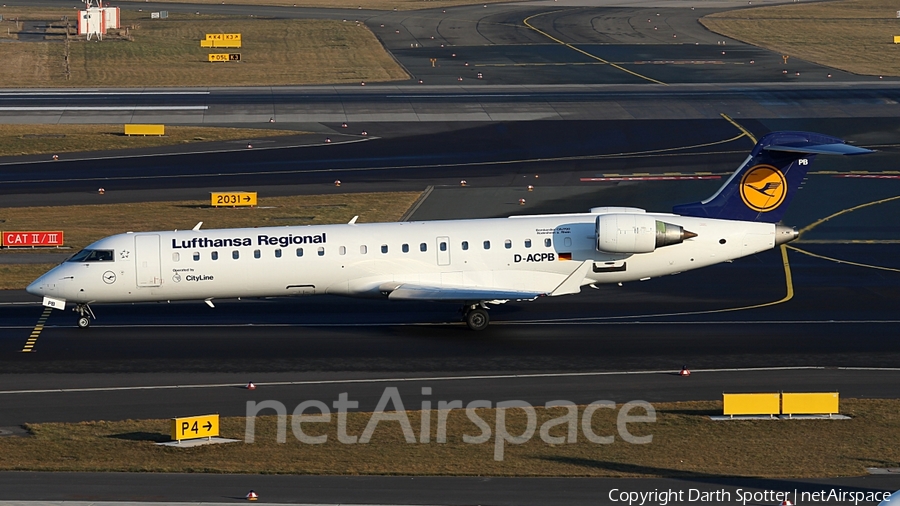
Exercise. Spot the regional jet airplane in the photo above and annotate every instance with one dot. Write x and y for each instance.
(471, 262)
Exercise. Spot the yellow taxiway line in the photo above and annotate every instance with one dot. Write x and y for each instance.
(589, 55)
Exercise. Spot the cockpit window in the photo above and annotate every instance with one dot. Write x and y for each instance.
(93, 255)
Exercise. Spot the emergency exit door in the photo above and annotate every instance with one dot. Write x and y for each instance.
(147, 260)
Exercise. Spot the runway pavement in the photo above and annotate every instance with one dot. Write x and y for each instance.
(306, 107)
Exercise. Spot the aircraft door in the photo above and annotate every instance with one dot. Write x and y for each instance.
(443, 251)
(147, 260)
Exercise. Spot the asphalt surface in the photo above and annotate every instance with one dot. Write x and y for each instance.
(484, 154)
(553, 42)
(212, 489)
(541, 109)
(304, 108)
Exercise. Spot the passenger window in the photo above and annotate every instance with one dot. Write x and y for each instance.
(278, 253)
(443, 246)
(507, 244)
(423, 247)
(321, 251)
(527, 243)
(196, 256)
(487, 244)
(256, 253)
(342, 250)
(384, 248)
(176, 256)
(465, 245)
(363, 249)
(567, 241)
(215, 255)
(405, 248)
(299, 252)
(547, 243)
(235, 254)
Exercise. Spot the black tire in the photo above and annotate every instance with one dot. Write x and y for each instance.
(477, 319)
(84, 322)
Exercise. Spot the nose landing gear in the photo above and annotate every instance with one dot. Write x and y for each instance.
(85, 315)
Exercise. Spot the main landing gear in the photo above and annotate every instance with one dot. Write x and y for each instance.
(85, 315)
(476, 316)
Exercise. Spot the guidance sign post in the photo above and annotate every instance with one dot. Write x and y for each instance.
(32, 239)
(221, 40)
(216, 57)
(232, 199)
(195, 427)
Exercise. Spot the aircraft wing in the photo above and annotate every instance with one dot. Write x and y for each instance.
(460, 293)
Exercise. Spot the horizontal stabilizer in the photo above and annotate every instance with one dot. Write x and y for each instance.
(821, 149)
(457, 293)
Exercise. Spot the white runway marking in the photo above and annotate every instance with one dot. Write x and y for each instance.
(95, 93)
(67, 108)
(437, 378)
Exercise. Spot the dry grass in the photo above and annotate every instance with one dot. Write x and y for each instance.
(18, 276)
(383, 5)
(852, 35)
(52, 139)
(685, 443)
(168, 53)
(85, 224)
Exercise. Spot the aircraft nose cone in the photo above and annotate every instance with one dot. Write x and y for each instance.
(40, 287)
(36, 287)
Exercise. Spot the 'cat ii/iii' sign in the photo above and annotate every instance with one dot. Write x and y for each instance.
(32, 239)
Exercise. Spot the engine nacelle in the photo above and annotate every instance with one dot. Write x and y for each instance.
(636, 233)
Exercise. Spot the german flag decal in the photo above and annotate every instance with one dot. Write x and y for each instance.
(565, 256)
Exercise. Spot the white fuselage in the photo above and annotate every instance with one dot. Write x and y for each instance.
(521, 254)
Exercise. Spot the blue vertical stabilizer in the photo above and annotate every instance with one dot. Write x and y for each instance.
(762, 187)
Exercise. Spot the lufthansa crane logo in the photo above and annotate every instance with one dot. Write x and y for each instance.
(763, 188)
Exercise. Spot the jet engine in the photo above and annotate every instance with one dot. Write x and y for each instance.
(636, 233)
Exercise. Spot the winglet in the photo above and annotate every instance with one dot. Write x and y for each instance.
(353, 220)
(197, 226)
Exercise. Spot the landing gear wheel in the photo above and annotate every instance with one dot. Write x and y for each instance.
(85, 315)
(477, 319)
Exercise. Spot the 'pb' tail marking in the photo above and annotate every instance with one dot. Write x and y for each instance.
(763, 186)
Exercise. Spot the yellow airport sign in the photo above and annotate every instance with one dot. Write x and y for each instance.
(751, 404)
(225, 57)
(195, 427)
(232, 199)
(136, 129)
(820, 403)
(896, 39)
(221, 40)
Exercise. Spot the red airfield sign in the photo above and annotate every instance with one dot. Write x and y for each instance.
(32, 238)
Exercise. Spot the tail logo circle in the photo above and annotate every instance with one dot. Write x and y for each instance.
(763, 188)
